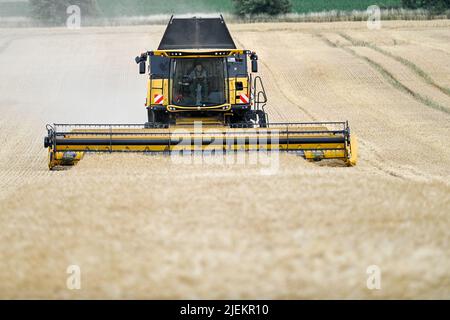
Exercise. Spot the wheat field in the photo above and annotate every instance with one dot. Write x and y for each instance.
(143, 226)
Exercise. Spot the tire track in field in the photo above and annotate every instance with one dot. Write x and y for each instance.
(430, 46)
(383, 165)
(395, 82)
(376, 160)
(379, 163)
(407, 63)
(426, 101)
(402, 37)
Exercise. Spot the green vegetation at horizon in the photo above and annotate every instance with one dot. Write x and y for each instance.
(143, 7)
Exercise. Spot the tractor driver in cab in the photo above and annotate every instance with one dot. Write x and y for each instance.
(199, 85)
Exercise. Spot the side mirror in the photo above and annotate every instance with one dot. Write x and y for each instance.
(142, 67)
(254, 65)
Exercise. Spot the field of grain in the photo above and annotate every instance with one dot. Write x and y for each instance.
(146, 227)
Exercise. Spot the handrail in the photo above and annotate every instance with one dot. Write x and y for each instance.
(262, 91)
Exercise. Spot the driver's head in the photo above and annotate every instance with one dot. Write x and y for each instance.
(198, 67)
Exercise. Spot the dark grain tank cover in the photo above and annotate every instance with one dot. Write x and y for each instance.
(196, 33)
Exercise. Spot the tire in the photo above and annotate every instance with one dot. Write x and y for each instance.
(157, 119)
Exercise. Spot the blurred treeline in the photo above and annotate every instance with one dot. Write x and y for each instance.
(54, 11)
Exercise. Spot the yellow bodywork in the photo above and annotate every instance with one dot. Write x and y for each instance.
(197, 53)
(57, 158)
(236, 93)
(157, 87)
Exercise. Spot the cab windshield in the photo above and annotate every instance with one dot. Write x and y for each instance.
(198, 82)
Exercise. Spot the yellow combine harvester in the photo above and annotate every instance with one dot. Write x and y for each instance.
(201, 97)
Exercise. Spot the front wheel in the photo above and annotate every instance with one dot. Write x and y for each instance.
(262, 118)
(157, 119)
(249, 119)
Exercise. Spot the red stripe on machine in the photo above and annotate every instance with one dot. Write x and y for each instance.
(158, 98)
(244, 99)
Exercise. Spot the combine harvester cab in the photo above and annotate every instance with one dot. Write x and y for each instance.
(201, 97)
